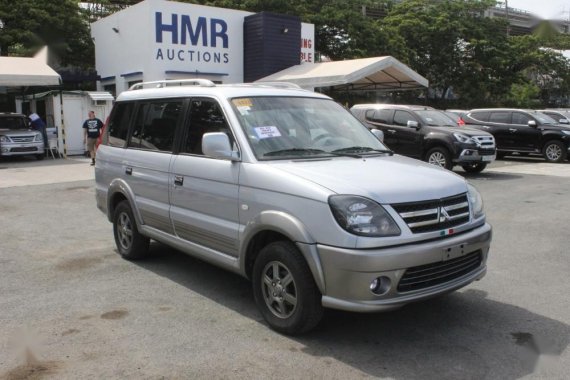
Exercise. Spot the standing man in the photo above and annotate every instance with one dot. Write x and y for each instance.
(37, 124)
(91, 131)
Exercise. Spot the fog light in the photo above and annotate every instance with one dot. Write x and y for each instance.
(380, 285)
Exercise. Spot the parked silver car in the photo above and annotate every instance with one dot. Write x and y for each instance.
(288, 189)
(16, 139)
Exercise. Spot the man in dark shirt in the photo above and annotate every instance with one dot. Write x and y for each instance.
(91, 131)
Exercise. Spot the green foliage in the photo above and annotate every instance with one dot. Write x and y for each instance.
(523, 95)
(59, 24)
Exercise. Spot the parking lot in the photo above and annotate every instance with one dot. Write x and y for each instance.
(71, 308)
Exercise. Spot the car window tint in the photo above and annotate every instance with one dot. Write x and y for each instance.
(402, 117)
(205, 116)
(479, 115)
(500, 117)
(119, 124)
(381, 116)
(155, 125)
(521, 118)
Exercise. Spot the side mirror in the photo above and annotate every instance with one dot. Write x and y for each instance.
(413, 124)
(378, 133)
(532, 123)
(217, 145)
(564, 121)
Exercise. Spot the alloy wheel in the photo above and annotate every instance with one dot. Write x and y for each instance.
(437, 158)
(125, 231)
(279, 289)
(553, 152)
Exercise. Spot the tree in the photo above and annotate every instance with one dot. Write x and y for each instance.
(62, 25)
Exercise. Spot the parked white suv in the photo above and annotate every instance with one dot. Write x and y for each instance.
(288, 189)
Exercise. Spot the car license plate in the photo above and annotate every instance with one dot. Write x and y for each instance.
(488, 158)
(450, 253)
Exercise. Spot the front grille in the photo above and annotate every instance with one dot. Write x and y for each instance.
(424, 276)
(22, 138)
(485, 142)
(434, 215)
(486, 152)
(27, 149)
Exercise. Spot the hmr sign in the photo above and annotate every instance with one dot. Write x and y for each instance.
(196, 33)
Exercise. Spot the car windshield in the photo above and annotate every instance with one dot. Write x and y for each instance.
(544, 118)
(436, 118)
(297, 127)
(12, 123)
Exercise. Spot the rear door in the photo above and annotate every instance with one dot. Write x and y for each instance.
(146, 161)
(204, 190)
(502, 129)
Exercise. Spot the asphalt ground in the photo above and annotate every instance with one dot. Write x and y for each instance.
(71, 308)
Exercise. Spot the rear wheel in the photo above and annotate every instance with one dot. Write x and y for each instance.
(474, 168)
(439, 156)
(284, 289)
(554, 151)
(130, 243)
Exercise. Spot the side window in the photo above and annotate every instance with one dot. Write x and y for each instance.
(479, 115)
(379, 116)
(119, 124)
(205, 116)
(520, 118)
(401, 118)
(155, 125)
(500, 117)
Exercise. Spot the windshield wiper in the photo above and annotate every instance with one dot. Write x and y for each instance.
(283, 152)
(362, 149)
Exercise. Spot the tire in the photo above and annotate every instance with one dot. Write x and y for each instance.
(554, 151)
(39, 157)
(130, 243)
(439, 156)
(474, 168)
(289, 308)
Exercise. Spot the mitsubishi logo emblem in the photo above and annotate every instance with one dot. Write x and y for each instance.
(443, 215)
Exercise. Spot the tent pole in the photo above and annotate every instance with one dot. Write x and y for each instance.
(62, 123)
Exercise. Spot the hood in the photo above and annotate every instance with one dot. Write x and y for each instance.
(18, 132)
(385, 179)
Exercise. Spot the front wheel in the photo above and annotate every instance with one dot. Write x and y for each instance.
(474, 168)
(284, 289)
(439, 156)
(554, 151)
(130, 243)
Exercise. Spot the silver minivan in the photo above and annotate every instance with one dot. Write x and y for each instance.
(288, 189)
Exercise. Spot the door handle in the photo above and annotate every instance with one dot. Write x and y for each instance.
(178, 180)
(392, 131)
(129, 170)
(512, 130)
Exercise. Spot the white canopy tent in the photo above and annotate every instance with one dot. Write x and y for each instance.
(377, 73)
(26, 72)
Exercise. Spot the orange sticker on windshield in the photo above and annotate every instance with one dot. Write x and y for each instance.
(242, 102)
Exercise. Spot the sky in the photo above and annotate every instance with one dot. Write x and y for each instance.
(547, 9)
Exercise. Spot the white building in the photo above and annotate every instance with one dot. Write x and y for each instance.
(158, 39)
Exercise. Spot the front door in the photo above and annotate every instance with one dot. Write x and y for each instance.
(408, 138)
(526, 138)
(204, 190)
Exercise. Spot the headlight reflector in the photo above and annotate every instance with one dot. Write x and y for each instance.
(4, 139)
(362, 216)
(39, 137)
(461, 137)
(475, 201)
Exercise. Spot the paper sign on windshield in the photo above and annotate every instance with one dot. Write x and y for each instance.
(265, 132)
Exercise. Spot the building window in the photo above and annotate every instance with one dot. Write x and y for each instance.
(111, 88)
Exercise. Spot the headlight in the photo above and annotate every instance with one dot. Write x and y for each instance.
(4, 139)
(361, 216)
(461, 137)
(475, 201)
(566, 132)
(39, 137)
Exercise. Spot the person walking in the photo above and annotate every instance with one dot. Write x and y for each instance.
(91, 131)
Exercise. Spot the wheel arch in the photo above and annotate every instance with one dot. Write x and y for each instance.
(119, 191)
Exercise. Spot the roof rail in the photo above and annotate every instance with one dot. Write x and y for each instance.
(175, 82)
(277, 84)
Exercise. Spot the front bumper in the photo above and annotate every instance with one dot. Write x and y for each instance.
(348, 273)
(471, 155)
(21, 149)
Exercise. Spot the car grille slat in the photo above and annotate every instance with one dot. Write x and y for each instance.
(434, 215)
(425, 276)
(22, 138)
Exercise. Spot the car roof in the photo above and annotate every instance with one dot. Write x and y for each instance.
(171, 90)
(500, 109)
(393, 106)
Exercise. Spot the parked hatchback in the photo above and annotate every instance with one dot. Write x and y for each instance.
(523, 131)
(288, 189)
(16, 139)
(429, 134)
